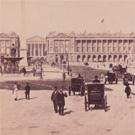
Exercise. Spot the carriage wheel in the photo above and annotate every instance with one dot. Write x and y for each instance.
(85, 103)
(82, 91)
(105, 103)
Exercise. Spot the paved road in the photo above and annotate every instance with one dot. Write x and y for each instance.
(46, 76)
(36, 116)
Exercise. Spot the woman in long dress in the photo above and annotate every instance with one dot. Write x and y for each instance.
(15, 91)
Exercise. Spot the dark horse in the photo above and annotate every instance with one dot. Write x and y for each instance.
(119, 69)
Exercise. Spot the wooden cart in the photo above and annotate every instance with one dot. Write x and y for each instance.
(77, 85)
(95, 96)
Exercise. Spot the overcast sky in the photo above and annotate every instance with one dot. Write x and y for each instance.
(39, 17)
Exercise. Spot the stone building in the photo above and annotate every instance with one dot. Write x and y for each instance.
(9, 51)
(36, 49)
(8, 43)
(93, 48)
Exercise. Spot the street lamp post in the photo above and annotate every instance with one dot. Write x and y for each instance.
(67, 60)
(41, 74)
(68, 63)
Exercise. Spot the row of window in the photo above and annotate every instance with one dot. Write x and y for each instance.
(105, 41)
(103, 48)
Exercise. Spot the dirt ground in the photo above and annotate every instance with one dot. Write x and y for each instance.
(36, 116)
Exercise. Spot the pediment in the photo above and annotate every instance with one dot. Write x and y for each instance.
(3, 35)
(36, 39)
(62, 35)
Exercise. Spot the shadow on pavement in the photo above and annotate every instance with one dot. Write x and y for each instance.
(25, 99)
(108, 89)
(99, 108)
(68, 112)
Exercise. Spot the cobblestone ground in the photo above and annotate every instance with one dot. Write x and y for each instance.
(36, 116)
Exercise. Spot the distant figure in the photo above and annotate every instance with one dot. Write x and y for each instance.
(79, 76)
(24, 71)
(70, 72)
(34, 71)
(96, 80)
(64, 76)
(15, 91)
(102, 77)
(61, 101)
(54, 99)
(127, 90)
(125, 79)
(1, 70)
(27, 91)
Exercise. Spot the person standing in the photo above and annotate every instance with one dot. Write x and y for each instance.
(24, 71)
(34, 71)
(27, 91)
(1, 71)
(61, 101)
(64, 76)
(15, 91)
(54, 99)
(127, 90)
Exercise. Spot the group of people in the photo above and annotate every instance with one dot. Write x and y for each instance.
(58, 98)
(17, 87)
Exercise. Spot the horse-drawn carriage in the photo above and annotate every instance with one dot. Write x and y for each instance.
(111, 77)
(95, 96)
(77, 85)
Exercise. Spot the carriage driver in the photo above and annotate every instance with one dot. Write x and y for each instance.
(96, 80)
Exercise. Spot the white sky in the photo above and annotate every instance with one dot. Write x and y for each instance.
(39, 17)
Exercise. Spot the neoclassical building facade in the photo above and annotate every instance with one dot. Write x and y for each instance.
(36, 48)
(106, 48)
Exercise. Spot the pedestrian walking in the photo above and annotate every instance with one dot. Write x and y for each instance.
(15, 91)
(27, 91)
(54, 99)
(127, 90)
(61, 101)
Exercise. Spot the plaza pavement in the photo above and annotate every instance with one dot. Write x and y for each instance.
(36, 116)
(46, 76)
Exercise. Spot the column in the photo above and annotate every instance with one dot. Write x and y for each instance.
(30, 50)
(42, 49)
(81, 42)
(34, 54)
(38, 49)
(102, 46)
(95, 45)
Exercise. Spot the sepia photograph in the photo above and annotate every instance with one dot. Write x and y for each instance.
(67, 67)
